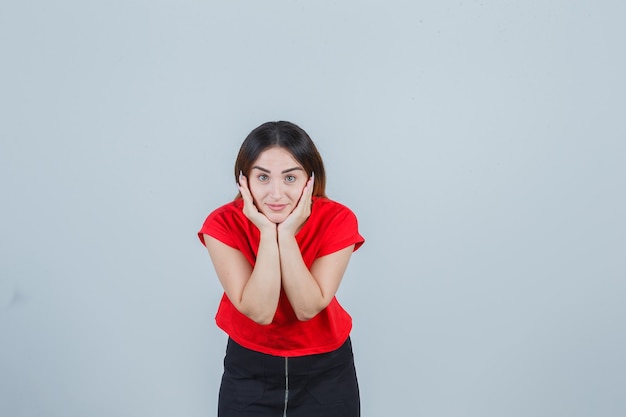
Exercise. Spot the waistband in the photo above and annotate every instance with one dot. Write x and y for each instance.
(238, 356)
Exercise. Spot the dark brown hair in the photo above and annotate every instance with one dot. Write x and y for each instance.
(290, 137)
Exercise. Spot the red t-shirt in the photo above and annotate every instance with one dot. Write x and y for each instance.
(330, 227)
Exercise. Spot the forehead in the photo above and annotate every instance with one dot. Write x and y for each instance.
(276, 157)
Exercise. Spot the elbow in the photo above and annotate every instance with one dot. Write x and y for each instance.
(260, 316)
(261, 319)
(309, 313)
(306, 315)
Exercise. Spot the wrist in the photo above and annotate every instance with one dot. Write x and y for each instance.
(269, 231)
(286, 235)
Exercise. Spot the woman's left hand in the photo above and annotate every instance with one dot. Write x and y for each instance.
(301, 213)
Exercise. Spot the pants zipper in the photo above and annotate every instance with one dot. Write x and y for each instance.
(286, 387)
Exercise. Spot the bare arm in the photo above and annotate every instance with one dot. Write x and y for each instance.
(309, 292)
(253, 291)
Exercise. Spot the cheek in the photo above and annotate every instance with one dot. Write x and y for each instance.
(295, 193)
(257, 193)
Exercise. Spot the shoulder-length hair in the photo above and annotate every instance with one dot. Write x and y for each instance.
(290, 137)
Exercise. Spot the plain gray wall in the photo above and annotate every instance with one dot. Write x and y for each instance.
(482, 145)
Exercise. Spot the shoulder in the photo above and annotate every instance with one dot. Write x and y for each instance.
(327, 209)
(222, 222)
(330, 215)
(229, 210)
(335, 225)
(327, 205)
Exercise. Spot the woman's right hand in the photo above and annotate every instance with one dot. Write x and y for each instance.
(250, 210)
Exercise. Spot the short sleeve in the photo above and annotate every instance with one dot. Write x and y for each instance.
(342, 231)
(218, 225)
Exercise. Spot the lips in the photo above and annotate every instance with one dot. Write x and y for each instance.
(276, 207)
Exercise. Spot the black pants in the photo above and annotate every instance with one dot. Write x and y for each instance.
(256, 384)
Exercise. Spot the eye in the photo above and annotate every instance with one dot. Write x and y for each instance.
(290, 178)
(263, 178)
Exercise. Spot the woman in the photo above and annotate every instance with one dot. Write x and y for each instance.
(280, 250)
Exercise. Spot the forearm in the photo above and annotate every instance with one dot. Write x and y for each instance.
(259, 299)
(301, 288)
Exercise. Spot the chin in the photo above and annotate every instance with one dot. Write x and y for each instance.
(278, 219)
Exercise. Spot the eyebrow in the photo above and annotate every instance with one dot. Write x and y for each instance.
(284, 172)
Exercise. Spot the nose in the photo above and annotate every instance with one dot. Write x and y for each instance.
(276, 190)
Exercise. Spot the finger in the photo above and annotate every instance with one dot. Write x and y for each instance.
(308, 192)
(311, 184)
(243, 181)
(243, 186)
(246, 195)
(305, 198)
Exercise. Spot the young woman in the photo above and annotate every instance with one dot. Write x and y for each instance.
(280, 250)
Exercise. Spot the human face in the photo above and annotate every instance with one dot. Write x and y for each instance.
(276, 182)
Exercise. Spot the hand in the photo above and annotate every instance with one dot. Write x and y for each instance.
(250, 210)
(301, 213)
